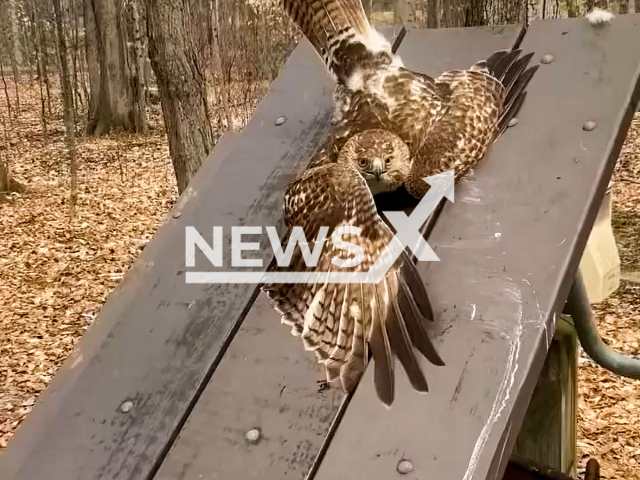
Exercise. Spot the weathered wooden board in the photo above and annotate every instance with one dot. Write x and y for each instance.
(509, 249)
(158, 339)
(266, 379)
(548, 433)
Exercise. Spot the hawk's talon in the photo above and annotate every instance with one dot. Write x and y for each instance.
(322, 385)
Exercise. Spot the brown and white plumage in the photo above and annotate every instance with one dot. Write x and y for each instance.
(390, 127)
(447, 122)
(342, 323)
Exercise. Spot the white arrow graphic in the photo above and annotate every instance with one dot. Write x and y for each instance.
(408, 227)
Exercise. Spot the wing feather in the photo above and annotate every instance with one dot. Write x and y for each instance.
(342, 323)
(476, 104)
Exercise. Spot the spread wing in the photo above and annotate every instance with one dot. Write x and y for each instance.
(391, 98)
(343, 323)
(477, 105)
(373, 89)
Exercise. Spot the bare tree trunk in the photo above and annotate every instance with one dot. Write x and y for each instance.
(113, 107)
(93, 65)
(139, 98)
(15, 54)
(475, 14)
(446, 13)
(74, 58)
(7, 182)
(181, 85)
(572, 8)
(67, 99)
(219, 67)
(5, 177)
(433, 13)
(6, 90)
(15, 33)
(42, 34)
(38, 59)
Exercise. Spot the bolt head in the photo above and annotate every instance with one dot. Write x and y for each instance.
(547, 59)
(404, 466)
(126, 406)
(280, 120)
(513, 122)
(253, 436)
(588, 126)
(177, 215)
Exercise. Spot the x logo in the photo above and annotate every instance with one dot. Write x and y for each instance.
(408, 227)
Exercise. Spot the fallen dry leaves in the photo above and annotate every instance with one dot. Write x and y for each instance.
(57, 271)
(609, 408)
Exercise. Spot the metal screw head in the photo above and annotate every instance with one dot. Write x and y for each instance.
(404, 466)
(177, 215)
(588, 126)
(126, 406)
(513, 122)
(253, 436)
(280, 120)
(547, 58)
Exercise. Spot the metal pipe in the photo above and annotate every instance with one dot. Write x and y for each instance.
(579, 308)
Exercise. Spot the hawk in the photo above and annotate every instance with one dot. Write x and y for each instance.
(391, 127)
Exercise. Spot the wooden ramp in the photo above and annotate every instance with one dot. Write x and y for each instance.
(172, 376)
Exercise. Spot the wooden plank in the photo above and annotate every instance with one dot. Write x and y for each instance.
(548, 435)
(266, 379)
(509, 249)
(158, 339)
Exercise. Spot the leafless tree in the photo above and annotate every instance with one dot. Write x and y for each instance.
(115, 102)
(182, 87)
(5, 178)
(67, 100)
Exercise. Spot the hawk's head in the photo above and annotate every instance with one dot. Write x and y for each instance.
(380, 156)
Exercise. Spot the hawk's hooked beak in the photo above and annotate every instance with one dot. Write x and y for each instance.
(377, 167)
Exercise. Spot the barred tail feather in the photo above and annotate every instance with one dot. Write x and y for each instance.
(341, 34)
(415, 321)
(342, 324)
(401, 341)
(322, 20)
(515, 98)
(515, 77)
(511, 70)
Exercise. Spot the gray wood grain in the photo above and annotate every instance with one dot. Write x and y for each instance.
(266, 379)
(157, 340)
(509, 249)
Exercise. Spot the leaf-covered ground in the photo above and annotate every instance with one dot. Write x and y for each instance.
(609, 426)
(56, 271)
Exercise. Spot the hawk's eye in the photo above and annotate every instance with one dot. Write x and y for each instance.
(387, 161)
(362, 162)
